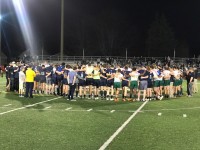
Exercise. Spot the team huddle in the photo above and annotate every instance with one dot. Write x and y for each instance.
(97, 81)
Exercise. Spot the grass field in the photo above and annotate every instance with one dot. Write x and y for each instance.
(53, 123)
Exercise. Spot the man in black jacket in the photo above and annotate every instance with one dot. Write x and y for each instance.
(190, 81)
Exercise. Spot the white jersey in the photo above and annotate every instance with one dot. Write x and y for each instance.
(176, 74)
(166, 74)
(129, 69)
(134, 76)
(89, 70)
(22, 77)
(155, 74)
(118, 77)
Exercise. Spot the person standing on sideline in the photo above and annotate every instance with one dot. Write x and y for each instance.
(71, 81)
(195, 86)
(190, 81)
(22, 79)
(30, 75)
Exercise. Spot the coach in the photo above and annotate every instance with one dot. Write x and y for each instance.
(30, 75)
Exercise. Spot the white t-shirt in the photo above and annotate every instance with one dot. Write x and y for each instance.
(22, 77)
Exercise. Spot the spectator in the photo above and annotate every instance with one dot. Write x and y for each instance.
(71, 81)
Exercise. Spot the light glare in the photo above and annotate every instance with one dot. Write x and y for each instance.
(25, 24)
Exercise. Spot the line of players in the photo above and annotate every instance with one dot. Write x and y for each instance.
(106, 81)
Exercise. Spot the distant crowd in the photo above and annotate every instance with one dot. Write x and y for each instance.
(101, 81)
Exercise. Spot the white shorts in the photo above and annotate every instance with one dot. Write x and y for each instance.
(21, 85)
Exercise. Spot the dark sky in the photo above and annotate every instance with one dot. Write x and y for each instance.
(183, 17)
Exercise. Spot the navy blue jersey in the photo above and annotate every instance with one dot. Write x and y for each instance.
(16, 73)
(11, 72)
(126, 74)
(110, 71)
(65, 73)
(103, 73)
(81, 75)
(60, 68)
(143, 73)
(49, 69)
(37, 68)
(53, 74)
(42, 71)
(150, 76)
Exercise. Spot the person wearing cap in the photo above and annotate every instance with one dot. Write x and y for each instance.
(30, 75)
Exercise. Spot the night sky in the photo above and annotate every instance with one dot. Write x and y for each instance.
(82, 18)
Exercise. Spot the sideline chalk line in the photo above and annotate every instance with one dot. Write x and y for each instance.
(105, 145)
(20, 108)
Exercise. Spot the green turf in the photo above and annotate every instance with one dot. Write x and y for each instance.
(57, 128)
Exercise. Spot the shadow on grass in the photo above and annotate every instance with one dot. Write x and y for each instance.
(82, 103)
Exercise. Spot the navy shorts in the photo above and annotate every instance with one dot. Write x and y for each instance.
(54, 80)
(96, 82)
(149, 84)
(110, 82)
(37, 78)
(124, 83)
(59, 78)
(64, 81)
(42, 79)
(103, 82)
(82, 83)
(89, 81)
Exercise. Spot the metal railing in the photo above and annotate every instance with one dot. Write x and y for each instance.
(56, 58)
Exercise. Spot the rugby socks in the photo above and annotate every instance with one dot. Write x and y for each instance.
(76, 93)
(105, 93)
(101, 93)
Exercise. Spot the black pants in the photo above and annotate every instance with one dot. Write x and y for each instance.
(11, 84)
(16, 84)
(29, 89)
(71, 91)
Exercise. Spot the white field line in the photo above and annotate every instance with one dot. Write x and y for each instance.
(7, 105)
(105, 145)
(90, 109)
(165, 109)
(47, 107)
(68, 108)
(132, 111)
(6, 112)
(112, 111)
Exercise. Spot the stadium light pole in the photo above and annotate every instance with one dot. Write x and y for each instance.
(62, 31)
